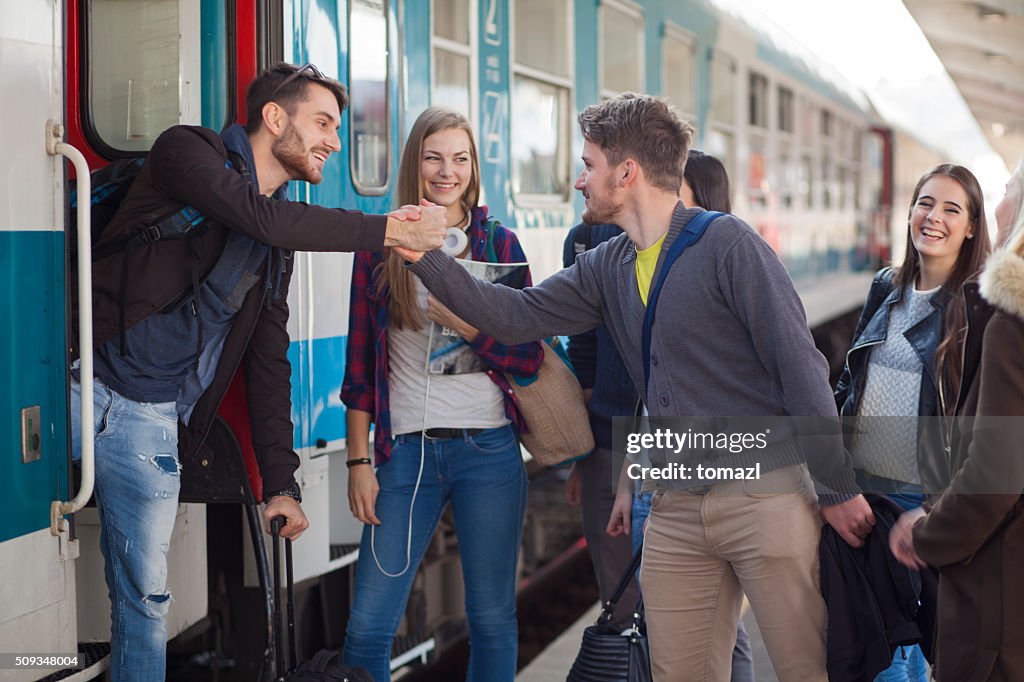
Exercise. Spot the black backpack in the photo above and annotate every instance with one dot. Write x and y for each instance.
(109, 187)
(326, 665)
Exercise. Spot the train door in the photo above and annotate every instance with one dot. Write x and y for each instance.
(130, 70)
(38, 585)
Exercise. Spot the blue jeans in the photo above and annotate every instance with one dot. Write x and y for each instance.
(483, 478)
(908, 665)
(641, 510)
(742, 654)
(137, 483)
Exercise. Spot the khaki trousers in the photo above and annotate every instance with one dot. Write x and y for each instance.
(702, 552)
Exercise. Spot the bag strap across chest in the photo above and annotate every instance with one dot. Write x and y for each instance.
(693, 231)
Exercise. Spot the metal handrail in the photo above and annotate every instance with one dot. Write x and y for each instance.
(54, 146)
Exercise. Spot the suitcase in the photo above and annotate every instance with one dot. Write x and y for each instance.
(326, 664)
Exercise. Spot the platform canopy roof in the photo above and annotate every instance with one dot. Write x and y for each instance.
(981, 45)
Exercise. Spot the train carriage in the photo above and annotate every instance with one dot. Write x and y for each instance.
(813, 169)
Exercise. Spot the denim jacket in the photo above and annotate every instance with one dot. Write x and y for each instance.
(924, 337)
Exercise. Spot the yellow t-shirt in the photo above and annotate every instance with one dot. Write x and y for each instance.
(646, 261)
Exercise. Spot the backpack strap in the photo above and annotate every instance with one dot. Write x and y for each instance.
(693, 231)
(184, 221)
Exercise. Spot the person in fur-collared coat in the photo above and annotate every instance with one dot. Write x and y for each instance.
(974, 533)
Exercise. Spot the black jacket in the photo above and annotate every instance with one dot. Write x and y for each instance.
(925, 336)
(875, 604)
(187, 167)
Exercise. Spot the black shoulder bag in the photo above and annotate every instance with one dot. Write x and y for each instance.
(609, 654)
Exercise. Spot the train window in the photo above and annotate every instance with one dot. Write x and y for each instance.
(842, 181)
(720, 137)
(826, 181)
(177, 71)
(540, 145)
(541, 94)
(452, 56)
(826, 123)
(451, 81)
(808, 122)
(723, 89)
(678, 69)
(806, 184)
(786, 122)
(758, 100)
(621, 48)
(542, 36)
(451, 20)
(368, 89)
(788, 177)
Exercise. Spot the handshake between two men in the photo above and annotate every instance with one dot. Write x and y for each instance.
(417, 228)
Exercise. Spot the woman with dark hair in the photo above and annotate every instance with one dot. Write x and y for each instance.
(907, 355)
(439, 438)
(974, 532)
(705, 183)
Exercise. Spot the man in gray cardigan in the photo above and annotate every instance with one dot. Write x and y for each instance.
(731, 339)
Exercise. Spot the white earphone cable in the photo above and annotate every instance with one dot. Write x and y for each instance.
(419, 476)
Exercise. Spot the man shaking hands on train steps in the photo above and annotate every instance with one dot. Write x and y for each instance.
(177, 310)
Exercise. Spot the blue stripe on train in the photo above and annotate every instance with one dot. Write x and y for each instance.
(32, 358)
(318, 368)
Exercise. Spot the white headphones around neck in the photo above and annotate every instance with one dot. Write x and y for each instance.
(455, 242)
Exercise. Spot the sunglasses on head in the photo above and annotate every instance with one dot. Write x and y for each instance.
(308, 71)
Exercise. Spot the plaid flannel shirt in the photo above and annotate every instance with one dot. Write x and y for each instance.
(365, 386)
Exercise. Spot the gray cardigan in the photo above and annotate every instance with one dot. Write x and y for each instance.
(730, 339)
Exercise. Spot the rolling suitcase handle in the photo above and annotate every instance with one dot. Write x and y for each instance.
(276, 524)
(325, 664)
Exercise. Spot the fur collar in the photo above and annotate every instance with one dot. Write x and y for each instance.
(1002, 282)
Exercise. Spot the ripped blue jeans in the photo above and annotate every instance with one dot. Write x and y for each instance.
(137, 483)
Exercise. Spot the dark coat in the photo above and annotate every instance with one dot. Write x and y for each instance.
(875, 604)
(924, 337)
(974, 533)
(187, 167)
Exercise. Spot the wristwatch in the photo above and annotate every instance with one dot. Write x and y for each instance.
(293, 491)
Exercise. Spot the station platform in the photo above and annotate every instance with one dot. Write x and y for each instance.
(827, 298)
(554, 662)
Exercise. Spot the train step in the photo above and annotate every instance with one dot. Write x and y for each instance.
(94, 658)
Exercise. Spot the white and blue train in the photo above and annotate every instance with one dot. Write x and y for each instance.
(813, 169)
